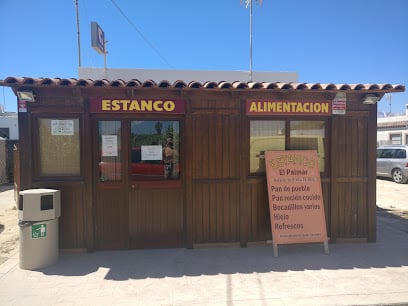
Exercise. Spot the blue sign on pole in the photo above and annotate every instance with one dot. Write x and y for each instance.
(97, 38)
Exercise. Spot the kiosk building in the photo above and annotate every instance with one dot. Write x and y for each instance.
(144, 164)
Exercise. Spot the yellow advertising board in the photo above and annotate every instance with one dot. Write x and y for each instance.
(295, 198)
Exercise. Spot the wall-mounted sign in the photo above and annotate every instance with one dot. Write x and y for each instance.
(272, 107)
(295, 197)
(22, 106)
(162, 106)
(339, 104)
(62, 127)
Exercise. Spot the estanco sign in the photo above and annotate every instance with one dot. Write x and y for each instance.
(162, 106)
(272, 107)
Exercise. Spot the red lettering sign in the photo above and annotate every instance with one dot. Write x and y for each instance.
(271, 107)
(162, 106)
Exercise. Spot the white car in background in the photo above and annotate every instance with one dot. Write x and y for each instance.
(392, 162)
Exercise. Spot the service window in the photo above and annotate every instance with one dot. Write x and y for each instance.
(274, 135)
(59, 147)
(308, 135)
(155, 149)
(265, 135)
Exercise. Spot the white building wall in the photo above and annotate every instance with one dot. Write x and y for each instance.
(10, 121)
(384, 137)
(186, 76)
(3, 162)
(395, 125)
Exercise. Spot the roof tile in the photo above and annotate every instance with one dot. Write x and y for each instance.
(274, 86)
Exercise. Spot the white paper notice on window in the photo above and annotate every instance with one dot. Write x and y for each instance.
(109, 145)
(152, 152)
(62, 127)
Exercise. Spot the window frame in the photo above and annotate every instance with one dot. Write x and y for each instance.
(35, 136)
(157, 179)
(133, 181)
(120, 151)
(326, 141)
(397, 136)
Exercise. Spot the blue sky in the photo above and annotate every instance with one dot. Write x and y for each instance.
(325, 41)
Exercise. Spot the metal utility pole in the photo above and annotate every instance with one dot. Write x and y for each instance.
(78, 33)
(389, 97)
(250, 40)
(248, 3)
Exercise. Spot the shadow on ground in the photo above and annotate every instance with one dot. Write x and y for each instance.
(398, 218)
(390, 250)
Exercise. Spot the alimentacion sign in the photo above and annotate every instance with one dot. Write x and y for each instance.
(295, 198)
(265, 107)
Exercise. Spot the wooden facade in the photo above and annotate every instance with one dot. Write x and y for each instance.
(216, 199)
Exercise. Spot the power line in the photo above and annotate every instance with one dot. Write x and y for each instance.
(141, 34)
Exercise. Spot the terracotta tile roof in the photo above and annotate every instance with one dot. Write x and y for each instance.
(274, 86)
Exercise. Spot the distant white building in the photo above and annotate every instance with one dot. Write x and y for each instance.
(9, 126)
(393, 129)
(172, 76)
(8, 137)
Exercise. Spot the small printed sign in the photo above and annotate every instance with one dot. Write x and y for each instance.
(339, 104)
(22, 106)
(152, 152)
(39, 230)
(109, 145)
(62, 127)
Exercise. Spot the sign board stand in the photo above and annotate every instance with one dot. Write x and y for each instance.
(295, 198)
(276, 251)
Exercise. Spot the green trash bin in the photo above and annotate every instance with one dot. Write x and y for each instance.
(39, 212)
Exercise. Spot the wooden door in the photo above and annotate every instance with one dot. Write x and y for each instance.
(351, 183)
(110, 178)
(215, 178)
(155, 191)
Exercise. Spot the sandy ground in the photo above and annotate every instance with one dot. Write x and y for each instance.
(9, 231)
(392, 199)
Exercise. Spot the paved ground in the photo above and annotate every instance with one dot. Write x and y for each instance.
(352, 274)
